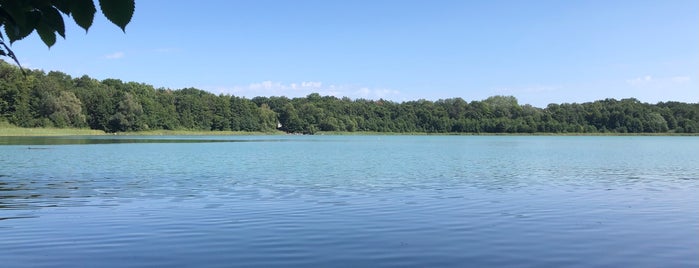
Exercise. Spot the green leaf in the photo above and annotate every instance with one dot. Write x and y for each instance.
(54, 20)
(118, 12)
(83, 12)
(63, 5)
(14, 32)
(47, 34)
(5, 17)
(10, 31)
(16, 12)
(18, 31)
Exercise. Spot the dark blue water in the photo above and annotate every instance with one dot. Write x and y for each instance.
(339, 201)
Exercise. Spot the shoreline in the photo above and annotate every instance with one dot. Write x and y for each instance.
(335, 133)
(11, 131)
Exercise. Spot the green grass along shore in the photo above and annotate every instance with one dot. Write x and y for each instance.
(8, 130)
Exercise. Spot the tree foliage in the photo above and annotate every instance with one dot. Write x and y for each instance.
(20, 18)
(55, 99)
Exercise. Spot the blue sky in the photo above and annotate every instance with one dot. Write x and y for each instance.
(538, 51)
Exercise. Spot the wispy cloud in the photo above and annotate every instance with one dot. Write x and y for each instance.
(115, 55)
(648, 80)
(301, 89)
(382, 93)
(680, 79)
(639, 81)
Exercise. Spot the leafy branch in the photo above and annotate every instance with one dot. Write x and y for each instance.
(20, 18)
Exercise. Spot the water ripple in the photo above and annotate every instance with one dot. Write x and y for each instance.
(353, 201)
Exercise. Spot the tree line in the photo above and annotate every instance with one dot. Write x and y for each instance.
(55, 99)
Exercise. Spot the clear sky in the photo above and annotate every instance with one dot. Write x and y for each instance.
(538, 51)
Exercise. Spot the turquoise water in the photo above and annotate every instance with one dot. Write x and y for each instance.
(349, 201)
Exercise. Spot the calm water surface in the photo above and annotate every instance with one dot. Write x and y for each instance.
(345, 201)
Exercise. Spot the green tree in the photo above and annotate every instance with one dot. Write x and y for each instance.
(127, 113)
(98, 102)
(55, 99)
(66, 110)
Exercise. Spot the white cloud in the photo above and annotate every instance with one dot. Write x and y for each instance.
(639, 81)
(115, 55)
(311, 84)
(650, 81)
(680, 79)
(302, 89)
(380, 93)
(278, 86)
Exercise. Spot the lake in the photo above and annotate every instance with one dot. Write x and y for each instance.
(349, 201)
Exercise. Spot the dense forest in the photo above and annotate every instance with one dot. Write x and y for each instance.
(55, 99)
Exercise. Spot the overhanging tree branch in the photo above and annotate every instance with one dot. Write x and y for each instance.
(20, 18)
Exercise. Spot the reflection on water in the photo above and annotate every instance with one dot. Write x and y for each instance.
(72, 140)
(349, 201)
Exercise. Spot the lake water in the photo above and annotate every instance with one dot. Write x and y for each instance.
(349, 201)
